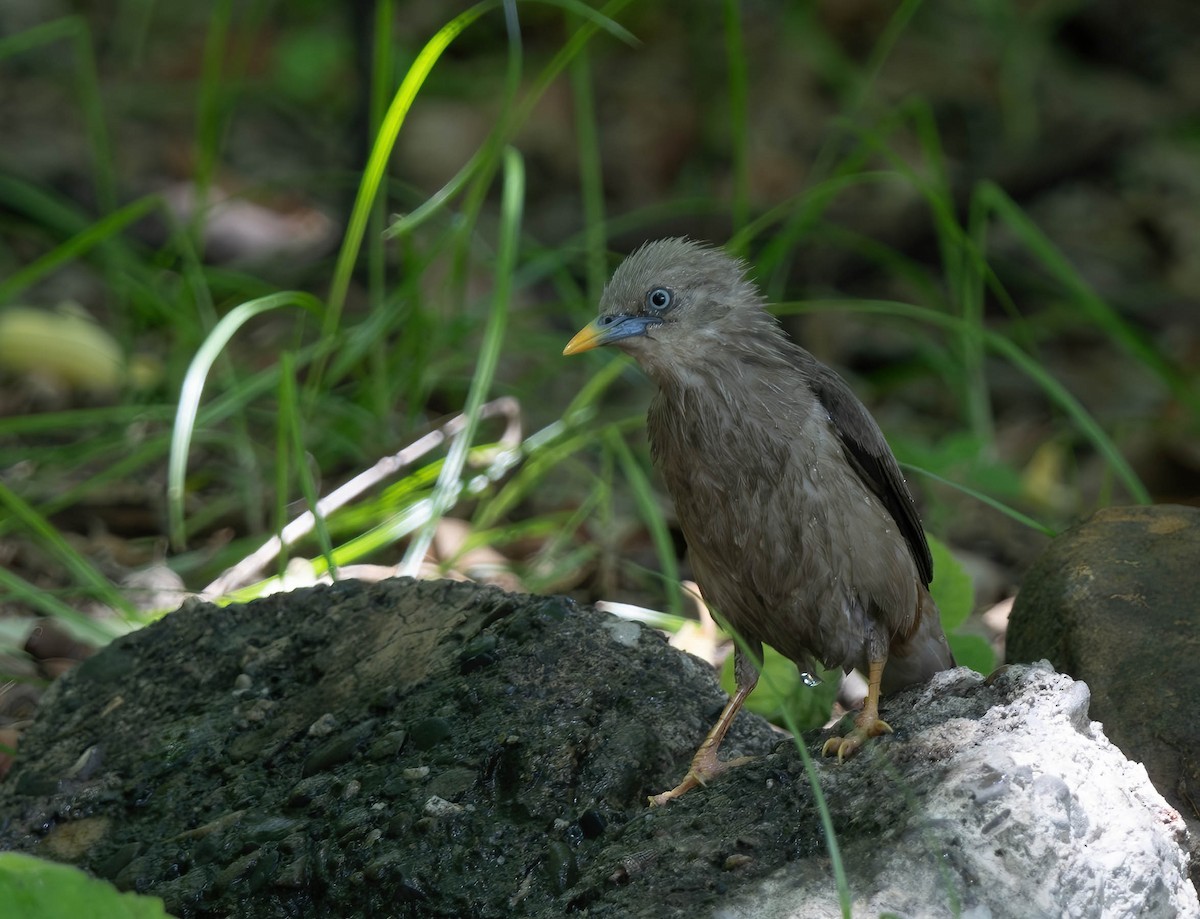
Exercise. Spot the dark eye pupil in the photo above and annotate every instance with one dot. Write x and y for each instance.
(659, 298)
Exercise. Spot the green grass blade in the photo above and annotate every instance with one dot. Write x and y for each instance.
(983, 498)
(88, 629)
(1053, 389)
(193, 387)
(292, 424)
(75, 31)
(591, 180)
(449, 481)
(79, 567)
(79, 418)
(738, 80)
(95, 235)
(1097, 310)
(652, 515)
(381, 150)
(211, 109)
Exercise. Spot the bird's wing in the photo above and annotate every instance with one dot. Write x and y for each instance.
(872, 459)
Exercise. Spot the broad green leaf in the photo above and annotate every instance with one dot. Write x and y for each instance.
(780, 689)
(33, 888)
(973, 651)
(951, 588)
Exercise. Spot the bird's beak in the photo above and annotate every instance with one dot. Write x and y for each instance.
(604, 330)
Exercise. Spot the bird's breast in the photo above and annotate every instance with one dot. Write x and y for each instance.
(743, 476)
(785, 539)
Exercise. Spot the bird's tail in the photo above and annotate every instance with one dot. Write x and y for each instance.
(916, 656)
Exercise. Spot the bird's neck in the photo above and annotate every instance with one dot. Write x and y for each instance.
(733, 369)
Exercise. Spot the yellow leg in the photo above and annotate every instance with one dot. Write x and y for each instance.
(866, 723)
(705, 765)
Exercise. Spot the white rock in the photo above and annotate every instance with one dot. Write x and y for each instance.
(1033, 813)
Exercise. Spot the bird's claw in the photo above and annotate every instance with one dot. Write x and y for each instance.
(703, 770)
(863, 730)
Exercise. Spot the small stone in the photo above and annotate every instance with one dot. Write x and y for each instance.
(623, 631)
(236, 870)
(271, 829)
(294, 874)
(453, 783)
(440, 807)
(309, 789)
(386, 867)
(478, 652)
(338, 750)
(389, 746)
(559, 866)
(429, 732)
(323, 726)
(737, 860)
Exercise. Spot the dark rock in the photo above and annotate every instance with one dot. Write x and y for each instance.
(1113, 602)
(531, 801)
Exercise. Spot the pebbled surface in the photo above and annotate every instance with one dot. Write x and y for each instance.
(433, 749)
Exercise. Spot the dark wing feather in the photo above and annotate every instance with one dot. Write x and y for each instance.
(869, 454)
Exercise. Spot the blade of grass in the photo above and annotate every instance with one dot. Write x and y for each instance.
(1053, 389)
(810, 770)
(996, 201)
(540, 460)
(129, 462)
(290, 421)
(82, 418)
(983, 498)
(652, 515)
(591, 181)
(193, 387)
(88, 629)
(513, 115)
(381, 150)
(449, 481)
(102, 231)
(381, 82)
(483, 160)
(75, 31)
(738, 81)
(854, 97)
(964, 266)
(82, 570)
(211, 110)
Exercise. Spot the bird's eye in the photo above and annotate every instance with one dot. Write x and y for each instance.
(659, 299)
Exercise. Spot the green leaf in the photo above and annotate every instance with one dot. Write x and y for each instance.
(951, 588)
(35, 889)
(955, 596)
(781, 692)
(973, 651)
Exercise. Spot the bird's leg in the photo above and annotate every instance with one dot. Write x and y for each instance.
(867, 723)
(705, 765)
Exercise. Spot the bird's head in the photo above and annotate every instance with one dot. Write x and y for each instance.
(675, 304)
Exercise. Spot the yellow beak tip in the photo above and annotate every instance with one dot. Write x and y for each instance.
(585, 340)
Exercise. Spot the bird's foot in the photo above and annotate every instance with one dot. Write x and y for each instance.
(705, 767)
(865, 727)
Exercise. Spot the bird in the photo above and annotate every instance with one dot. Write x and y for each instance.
(801, 530)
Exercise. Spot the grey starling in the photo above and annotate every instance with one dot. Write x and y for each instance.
(801, 530)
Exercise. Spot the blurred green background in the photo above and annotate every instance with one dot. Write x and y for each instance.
(250, 252)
